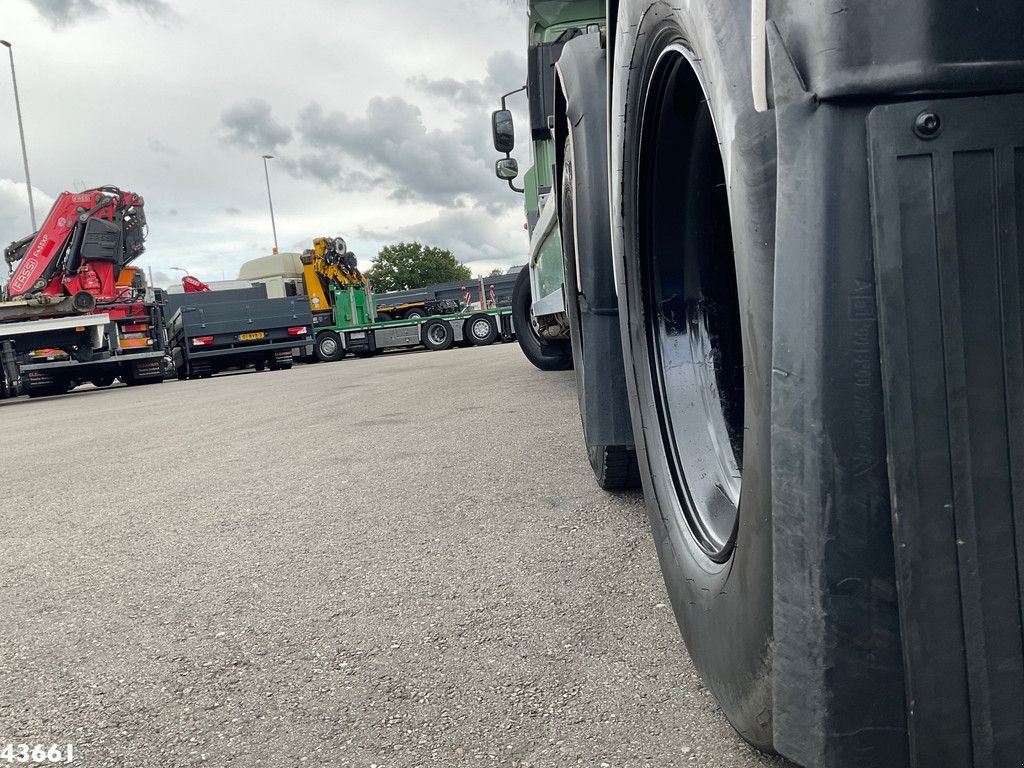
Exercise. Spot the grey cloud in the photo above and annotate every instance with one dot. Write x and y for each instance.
(61, 13)
(391, 148)
(506, 71)
(232, 211)
(327, 168)
(472, 234)
(251, 125)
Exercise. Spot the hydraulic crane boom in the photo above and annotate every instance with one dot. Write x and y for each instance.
(328, 265)
(84, 243)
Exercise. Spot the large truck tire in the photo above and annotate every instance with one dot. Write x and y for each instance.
(545, 355)
(437, 334)
(686, 342)
(481, 330)
(328, 347)
(590, 300)
(826, 405)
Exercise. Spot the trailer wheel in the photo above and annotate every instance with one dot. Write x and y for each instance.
(701, 427)
(415, 312)
(480, 330)
(328, 347)
(384, 317)
(101, 382)
(437, 334)
(545, 355)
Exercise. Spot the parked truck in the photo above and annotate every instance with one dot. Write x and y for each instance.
(780, 243)
(74, 310)
(443, 298)
(346, 319)
(212, 331)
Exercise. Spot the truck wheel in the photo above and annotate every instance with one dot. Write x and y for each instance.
(383, 317)
(101, 382)
(437, 334)
(766, 483)
(701, 426)
(414, 313)
(328, 347)
(615, 467)
(480, 330)
(546, 355)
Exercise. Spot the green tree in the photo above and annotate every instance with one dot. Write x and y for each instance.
(414, 265)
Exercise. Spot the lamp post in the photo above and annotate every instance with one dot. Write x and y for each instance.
(266, 172)
(21, 130)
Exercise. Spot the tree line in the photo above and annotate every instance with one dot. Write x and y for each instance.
(406, 266)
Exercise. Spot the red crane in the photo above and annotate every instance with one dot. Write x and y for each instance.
(84, 243)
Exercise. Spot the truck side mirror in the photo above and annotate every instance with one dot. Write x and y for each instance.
(506, 168)
(503, 130)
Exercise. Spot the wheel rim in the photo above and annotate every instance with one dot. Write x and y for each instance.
(328, 346)
(481, 329)
(437, 334)
(690, 302)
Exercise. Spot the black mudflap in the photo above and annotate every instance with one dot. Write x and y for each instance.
(947, 179)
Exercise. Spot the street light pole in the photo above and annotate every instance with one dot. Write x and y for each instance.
(21, 130)
(270, 199)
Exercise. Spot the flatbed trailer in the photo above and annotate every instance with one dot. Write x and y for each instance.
(209, 337)
(352, 327)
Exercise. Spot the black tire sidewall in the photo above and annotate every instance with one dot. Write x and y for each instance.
(492, 335)
(430, 344)
(546, 357)
(724, 609)
(339, 351)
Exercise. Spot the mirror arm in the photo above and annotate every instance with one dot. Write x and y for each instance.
(511, 184)
(510, 93)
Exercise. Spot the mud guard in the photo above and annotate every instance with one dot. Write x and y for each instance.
(582, 104)
(948, 219)
(836, 615)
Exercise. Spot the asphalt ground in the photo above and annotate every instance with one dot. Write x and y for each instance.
(399, 561)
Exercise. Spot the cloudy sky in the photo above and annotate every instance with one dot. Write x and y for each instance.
(376, 112)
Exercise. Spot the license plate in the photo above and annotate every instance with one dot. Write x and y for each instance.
(254, 336)
(357, 335)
